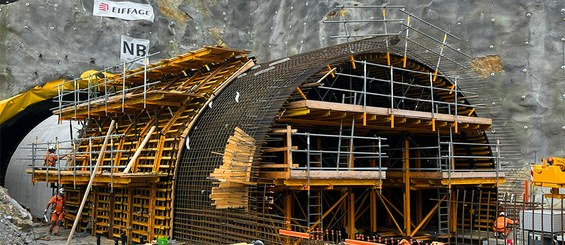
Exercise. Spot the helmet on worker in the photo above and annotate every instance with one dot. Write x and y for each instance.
(502, 214)
(61, 191)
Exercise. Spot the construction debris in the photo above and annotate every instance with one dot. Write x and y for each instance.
(15, 221)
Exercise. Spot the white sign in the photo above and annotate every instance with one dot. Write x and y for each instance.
(133, 48)
(123, 10)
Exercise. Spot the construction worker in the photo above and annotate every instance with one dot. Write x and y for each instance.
(502, 225)
(50, 157)
(57, 204)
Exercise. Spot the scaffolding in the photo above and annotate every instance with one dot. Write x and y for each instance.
(384, 92)
(153, 106)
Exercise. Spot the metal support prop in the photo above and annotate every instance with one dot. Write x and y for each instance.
(92, 175)
(124, 87)
(34, 152)
(386, 33)
(88, 89)
(406, 179)
(380, 166)
(406, 43)
(440, 55)
(391, 97)
(145, 61)
(364, 93)
(58, 163)
(351, 155)
(432, 99)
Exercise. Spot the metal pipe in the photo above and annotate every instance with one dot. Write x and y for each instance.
(371, 6)
(404, 97)
(362, 21)
(327, 151)
(429, 24)
(338, 136)
(366, 35)
(388, 81)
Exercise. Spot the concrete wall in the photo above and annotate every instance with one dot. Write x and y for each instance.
(18, 182)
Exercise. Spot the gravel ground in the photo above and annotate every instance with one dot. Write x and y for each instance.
(41, 236)
(17, 227)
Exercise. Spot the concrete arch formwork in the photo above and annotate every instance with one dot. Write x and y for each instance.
(254, 104)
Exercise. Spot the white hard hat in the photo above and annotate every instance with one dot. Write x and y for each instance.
(502, 214)
(61, 191)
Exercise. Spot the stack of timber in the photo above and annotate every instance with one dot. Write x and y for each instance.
(234, 175)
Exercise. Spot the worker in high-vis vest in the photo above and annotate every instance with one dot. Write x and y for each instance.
(502, 225)
(57, 204)
(50, 158)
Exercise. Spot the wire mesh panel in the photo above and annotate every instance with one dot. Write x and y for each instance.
(251, 103)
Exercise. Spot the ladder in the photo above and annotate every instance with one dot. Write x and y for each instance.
(445, 150)
(443, 211)
(315, 208)
(344, 146)
(315, 212)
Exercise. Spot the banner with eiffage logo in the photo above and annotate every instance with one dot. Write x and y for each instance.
(123, 10)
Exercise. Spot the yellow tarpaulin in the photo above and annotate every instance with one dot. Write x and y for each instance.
(12, 106)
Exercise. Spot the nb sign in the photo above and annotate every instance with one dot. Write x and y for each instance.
(133, 48)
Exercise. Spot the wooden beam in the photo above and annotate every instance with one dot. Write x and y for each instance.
(94, 172)
(406, 191)
(380, 111)
(351, 215)
(279, 149)
(138, 151)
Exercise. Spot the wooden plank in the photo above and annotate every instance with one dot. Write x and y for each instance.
(282, 131)
(280, 149)
(338, 174)
(470, 174)
(331, 106)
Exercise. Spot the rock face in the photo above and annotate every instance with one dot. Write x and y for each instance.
(45, 40)
(15, 221)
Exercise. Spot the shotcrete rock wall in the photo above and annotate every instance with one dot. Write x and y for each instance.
(45, 40)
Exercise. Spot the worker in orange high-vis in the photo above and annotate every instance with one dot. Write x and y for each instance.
(50, 157)
(502, 225)
(57, 204)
